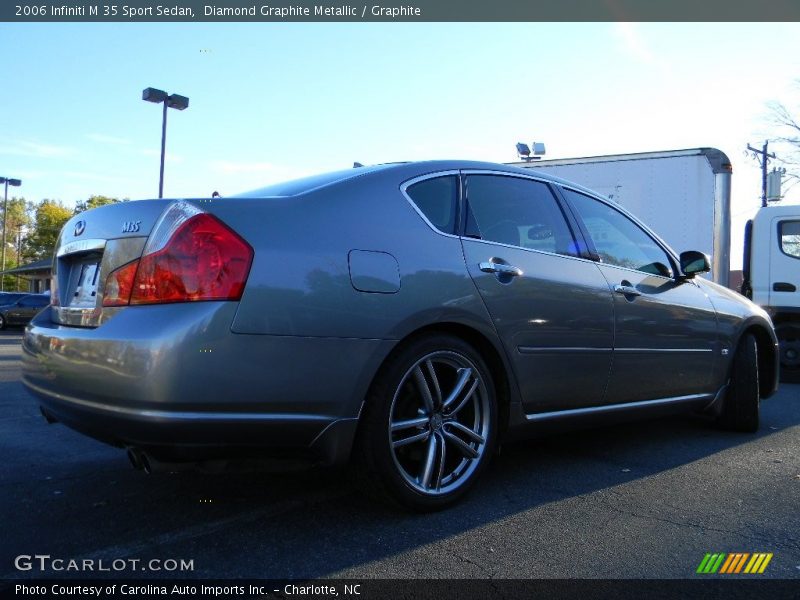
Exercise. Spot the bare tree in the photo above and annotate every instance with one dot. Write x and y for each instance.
(787, 140)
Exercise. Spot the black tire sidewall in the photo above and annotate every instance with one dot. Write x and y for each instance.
(741, 409)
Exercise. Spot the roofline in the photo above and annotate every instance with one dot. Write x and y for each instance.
(717, 158)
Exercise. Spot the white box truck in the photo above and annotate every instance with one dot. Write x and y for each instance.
(657, 187)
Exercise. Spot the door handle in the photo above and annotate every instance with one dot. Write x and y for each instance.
(627, 290)
(503, 269)
(782, 286)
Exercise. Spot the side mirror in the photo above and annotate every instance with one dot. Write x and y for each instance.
(694, 262)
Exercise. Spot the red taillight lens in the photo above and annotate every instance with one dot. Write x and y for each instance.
(189, 256)
(119, 285)
(202, 260)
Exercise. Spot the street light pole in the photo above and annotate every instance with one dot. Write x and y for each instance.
(7, 181)
(169, 101)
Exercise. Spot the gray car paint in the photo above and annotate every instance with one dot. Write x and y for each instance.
(290, 364)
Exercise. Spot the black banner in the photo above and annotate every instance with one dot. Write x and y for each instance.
(411, 11)
(720, 588)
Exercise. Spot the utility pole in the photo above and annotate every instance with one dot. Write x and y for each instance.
(763, 159)
(19, 251)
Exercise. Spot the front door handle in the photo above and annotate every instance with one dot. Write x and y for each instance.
(503, 269)
(627, 290)
(782, 286)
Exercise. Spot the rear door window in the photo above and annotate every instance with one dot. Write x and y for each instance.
(518, 212)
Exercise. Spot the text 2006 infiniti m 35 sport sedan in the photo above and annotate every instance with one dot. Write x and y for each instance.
(408, 317)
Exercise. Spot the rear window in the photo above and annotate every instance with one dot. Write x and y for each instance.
(437, 199)
(306, 184)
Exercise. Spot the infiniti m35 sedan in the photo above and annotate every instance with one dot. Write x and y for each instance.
(405, 317)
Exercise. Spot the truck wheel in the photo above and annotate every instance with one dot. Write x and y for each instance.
(789, 341)
(429, 425)
(740, 409)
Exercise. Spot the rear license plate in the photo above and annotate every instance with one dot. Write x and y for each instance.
(85, 295)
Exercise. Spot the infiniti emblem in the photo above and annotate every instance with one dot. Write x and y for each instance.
(80, 227)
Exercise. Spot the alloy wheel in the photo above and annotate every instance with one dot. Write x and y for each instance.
(439, 422)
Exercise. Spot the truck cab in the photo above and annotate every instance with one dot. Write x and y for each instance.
(771, 270)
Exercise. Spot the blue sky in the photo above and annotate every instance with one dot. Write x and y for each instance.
(275, 101)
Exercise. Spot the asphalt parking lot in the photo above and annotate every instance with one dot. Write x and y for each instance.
(642, 500)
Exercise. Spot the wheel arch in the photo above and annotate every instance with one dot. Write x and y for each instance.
(489, 350)
(767, 357)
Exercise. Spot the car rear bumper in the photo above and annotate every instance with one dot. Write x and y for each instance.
(174, 380)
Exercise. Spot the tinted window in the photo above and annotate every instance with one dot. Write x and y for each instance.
(789, 235)
(518, 212)
(437, 198)
(618, 240)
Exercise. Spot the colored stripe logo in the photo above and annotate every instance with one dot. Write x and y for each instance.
(734, 563)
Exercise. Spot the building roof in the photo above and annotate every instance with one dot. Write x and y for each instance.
(46, 264)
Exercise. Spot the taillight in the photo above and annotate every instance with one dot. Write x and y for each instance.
(119, 285)
(190, 256)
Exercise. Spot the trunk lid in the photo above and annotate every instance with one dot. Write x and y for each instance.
(92, 244)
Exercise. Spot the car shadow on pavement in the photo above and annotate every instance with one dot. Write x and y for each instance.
(73, 497)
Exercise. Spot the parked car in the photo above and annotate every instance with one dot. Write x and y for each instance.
(408, 316)
(10, 297)
(21, 310)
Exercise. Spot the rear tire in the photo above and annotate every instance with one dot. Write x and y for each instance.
(741, 407)
(429, 425)
(2, 322)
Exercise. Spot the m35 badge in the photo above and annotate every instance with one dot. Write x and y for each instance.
(131, 226)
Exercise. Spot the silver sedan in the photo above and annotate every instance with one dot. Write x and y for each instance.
(409, 317)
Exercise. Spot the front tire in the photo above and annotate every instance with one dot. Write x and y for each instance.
(2, 322)
(741, 407)
(430, 423)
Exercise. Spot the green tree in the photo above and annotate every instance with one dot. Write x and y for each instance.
(50, 216)
(18, 219)
(94, 202)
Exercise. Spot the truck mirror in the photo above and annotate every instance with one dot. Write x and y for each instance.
(694, 262)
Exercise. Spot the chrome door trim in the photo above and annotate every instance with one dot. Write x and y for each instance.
(612, 408)
(545, 350)
(660, 350)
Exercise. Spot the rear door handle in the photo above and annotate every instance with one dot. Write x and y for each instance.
(627, 290)
(494, 267)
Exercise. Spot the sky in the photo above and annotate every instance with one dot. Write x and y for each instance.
(275, 101)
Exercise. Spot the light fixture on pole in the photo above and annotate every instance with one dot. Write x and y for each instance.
(524, 151)
(169, 101)
(16, 183)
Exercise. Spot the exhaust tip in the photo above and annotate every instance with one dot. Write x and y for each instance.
(47, 417)
(135, 457)
(147, 467)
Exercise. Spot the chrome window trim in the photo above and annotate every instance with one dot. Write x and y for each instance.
(502, 245)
